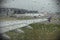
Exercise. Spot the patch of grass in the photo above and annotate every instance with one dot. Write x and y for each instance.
(14, 18)
(39, 32)
(7, 18)
(59, 19)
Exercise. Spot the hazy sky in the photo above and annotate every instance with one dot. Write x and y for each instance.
(40, 5)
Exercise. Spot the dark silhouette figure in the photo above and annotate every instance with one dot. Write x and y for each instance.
(49, 19)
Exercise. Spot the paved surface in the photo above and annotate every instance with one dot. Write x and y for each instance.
(11, 25)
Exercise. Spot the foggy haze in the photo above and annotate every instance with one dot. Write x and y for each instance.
(40, 5)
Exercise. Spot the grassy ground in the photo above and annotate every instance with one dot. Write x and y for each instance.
(7, 18)
(13, 18)
(39, 32)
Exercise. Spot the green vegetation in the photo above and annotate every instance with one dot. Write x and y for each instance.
(59, 19)
(11, 18)
(14, 18)
(39, 32)
(7, 18)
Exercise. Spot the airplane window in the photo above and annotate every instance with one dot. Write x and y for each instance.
(32, 19)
